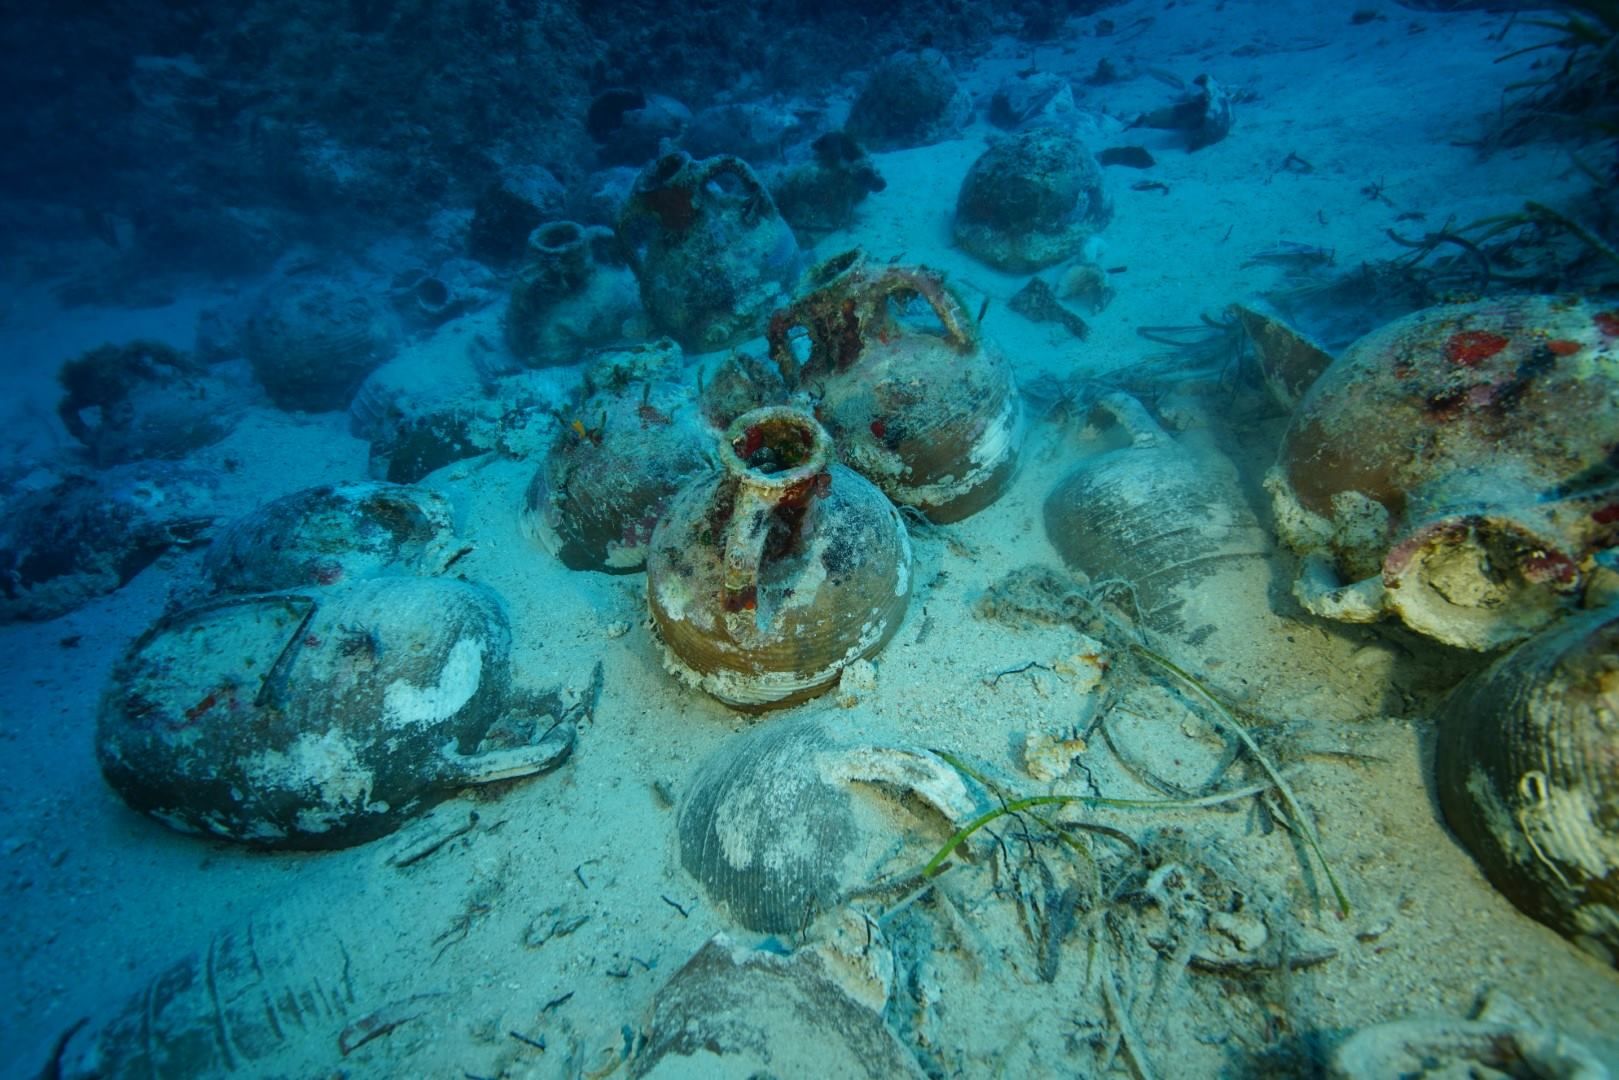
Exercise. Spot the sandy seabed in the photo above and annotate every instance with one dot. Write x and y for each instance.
(554, 909)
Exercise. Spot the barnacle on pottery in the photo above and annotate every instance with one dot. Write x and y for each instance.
(319, 719)
(1528, 776)
(1455, 468)
(312, 343)
(923, 408)
(633, 439)
(1030, 200)
(331, 533)
(767, 578)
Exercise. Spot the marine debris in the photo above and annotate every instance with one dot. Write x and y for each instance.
(1580, 95)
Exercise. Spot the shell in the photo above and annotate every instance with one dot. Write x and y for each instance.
(734, 1011)
(1528, 776)
(335, 532)
(312, 344)
(1158, 516)
(1031, 200)
(607, 481)
(777, 830)
(830, 582)
(1459, 460)
(314, 720)
(932, 419)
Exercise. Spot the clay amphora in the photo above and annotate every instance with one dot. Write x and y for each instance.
(711, 252)
(1456, 468)
(1527, 768)
(931, 418)
(574, 294)
(321, 719)
(1168, 519)
(632, 441)
(768, 578)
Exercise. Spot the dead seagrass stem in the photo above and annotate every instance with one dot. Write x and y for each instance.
(1306, 826)
(1121, 636)
(1019, 805)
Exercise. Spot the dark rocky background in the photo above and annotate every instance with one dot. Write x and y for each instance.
(210, 136)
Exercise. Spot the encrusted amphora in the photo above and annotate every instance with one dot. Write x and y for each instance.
(768, 578)
(1459, 468)
(914, 399)
(712, 254)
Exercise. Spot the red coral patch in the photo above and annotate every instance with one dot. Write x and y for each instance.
(1470, 347)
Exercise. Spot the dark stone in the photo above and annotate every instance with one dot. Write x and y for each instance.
(630, 127)
(911, 99)
(1133, 157)
(501, 223)
(1037, 303)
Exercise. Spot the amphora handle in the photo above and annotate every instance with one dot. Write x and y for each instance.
(779, 457)
(711, 169)
(849, 307)
(670, 194)
(505, 763)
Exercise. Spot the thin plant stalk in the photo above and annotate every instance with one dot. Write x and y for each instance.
(1306, 827)
(1019, 805)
